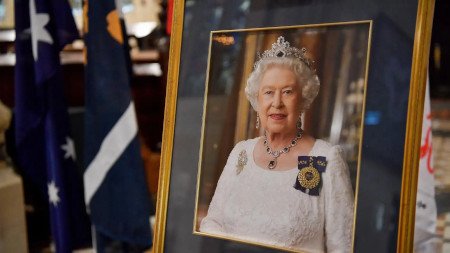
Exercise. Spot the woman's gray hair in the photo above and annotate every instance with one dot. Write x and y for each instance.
(306, 78)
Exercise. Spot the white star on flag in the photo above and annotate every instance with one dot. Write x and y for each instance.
(53, 193)
(69, 149)
(38, 32)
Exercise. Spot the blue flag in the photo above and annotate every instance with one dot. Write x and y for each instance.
(45, 151)
(115, 186)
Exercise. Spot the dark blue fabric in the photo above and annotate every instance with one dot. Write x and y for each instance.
(121, 207)
(42, 123)
(317, 162)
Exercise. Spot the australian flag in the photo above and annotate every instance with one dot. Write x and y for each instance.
(115, 186)
(45, 150)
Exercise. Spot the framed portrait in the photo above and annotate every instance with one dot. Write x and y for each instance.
(346, 80)
(342, 80)
(6, 14)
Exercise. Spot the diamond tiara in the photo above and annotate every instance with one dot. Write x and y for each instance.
(282, 49)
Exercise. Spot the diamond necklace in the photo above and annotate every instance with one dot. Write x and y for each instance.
(276, 153)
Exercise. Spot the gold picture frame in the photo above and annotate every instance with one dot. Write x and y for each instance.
(354, 62)
(419, 54)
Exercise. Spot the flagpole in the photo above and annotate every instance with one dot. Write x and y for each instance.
(94, 239)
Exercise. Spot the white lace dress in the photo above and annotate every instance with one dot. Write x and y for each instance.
(263, 206)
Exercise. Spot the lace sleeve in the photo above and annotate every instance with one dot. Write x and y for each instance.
(339, 202)
(213, 221)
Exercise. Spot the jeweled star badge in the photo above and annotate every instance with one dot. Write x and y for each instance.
(242, 161)
(309, 177)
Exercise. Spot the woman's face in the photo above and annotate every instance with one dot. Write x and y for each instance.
(278, 100)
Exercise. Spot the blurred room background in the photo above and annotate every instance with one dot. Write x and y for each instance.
(149, 44)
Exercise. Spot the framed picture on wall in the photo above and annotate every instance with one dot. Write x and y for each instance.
(292, 126)
(340, 52)
(6, 14)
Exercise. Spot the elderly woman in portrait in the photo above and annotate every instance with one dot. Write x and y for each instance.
(284, 188)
